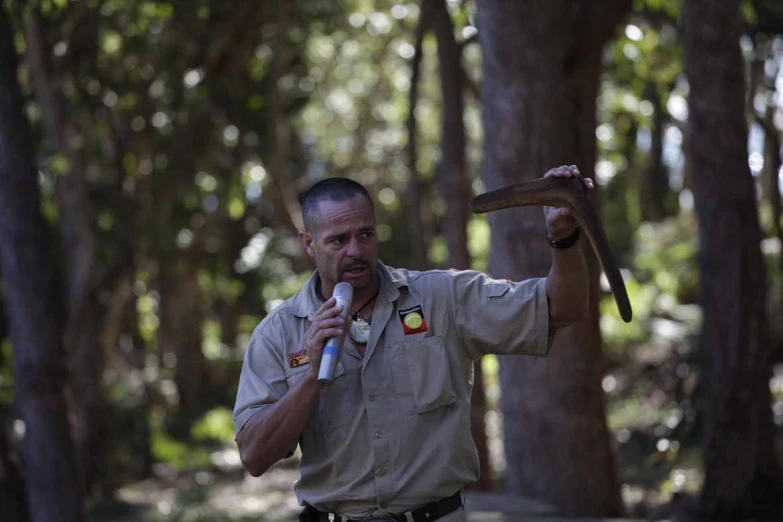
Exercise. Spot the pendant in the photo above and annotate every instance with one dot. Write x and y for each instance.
(360, 330)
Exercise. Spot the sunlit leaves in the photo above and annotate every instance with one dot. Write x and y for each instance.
(52, 7)
(364, 94)
(159, 10)
(111, 42)
(59, 165)
(236, 208)
(671, 8)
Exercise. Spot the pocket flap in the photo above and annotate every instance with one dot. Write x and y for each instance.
(422, 375)
(498, 289)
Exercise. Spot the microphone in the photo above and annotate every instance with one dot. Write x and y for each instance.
(343, 294)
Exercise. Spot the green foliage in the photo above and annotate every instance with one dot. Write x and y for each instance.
(178, 454)
(479, 242)
(667, 255)
(664, 283)
(6, 373)
(212, 346)
(616, 332)
(216, 425)
(438, 251)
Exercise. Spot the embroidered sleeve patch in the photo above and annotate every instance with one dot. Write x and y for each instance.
(298, 358)
(413, 321)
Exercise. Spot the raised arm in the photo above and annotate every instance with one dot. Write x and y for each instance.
(556, 191)
(568, 284)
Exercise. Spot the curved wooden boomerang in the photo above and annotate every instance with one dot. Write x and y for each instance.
(563, 192)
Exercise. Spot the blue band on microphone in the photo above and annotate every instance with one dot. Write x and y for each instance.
(331, 350)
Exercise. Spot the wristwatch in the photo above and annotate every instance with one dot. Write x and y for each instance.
(566, 241)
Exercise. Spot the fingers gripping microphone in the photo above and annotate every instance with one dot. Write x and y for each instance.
(343, 294)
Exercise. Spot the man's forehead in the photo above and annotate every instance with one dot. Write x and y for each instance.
(350, 212)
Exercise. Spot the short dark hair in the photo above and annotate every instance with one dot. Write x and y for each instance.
(329, 189)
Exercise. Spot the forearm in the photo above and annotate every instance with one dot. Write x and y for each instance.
(273, 432)
(567, 287)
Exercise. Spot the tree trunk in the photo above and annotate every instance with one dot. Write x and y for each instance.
(85, 359)
(655, 180)
(413, 197)
(12, 498)
(286, 206)
(452, 176)
(772, 160)
(743, 478)
(12, 491)
(541, 65)
(181, 322)
(135, 206)
(455, 190)
(28, 275)
(772, 164)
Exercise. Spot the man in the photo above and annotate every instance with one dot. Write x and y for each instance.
(391, 436)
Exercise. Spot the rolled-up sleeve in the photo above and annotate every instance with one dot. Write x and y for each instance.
(262, 381)
(499, 316)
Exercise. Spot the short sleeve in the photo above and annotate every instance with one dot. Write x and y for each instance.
(262, 381)
(499, 316)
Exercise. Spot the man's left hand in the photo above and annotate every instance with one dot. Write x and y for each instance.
(559, 221)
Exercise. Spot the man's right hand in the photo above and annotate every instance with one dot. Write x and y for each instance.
(274, 431)
(326, 324)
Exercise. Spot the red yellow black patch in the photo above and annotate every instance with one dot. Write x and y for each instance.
(413, 321)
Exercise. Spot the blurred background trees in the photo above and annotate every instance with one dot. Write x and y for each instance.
(170, 142)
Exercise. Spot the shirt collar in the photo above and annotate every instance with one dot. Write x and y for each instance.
(306, 301)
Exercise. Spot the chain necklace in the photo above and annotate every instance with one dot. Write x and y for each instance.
(360, 327)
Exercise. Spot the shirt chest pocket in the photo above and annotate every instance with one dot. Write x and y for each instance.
(422, 376)
(334, 409)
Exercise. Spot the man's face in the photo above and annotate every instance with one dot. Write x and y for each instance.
(345, 244)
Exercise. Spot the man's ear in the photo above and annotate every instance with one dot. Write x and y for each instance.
(307, 242)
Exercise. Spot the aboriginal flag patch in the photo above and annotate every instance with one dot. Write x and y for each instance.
(413, 321)
(298, 358)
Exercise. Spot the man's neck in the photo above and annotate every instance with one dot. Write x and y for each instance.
(360, 297)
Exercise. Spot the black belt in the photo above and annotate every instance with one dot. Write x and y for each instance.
(428, 513)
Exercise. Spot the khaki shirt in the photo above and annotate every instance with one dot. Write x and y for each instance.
(392, 433)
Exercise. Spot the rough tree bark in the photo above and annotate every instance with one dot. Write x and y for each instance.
(287, 209)
(85, 359)
(455, 189)
(50, 472)
(180, 332)
(743, 478)
(452, 171)
(413, 197)
(13, 507)
(541, 66)
(655, 179)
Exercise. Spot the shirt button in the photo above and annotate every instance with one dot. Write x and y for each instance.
(381, 472)
(372, 398)
(378, 434)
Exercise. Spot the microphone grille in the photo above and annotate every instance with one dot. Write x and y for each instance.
(343, 291)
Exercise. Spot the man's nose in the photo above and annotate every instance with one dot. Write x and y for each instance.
(353, 248)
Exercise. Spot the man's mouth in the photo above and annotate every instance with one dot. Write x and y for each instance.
(356, 270)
